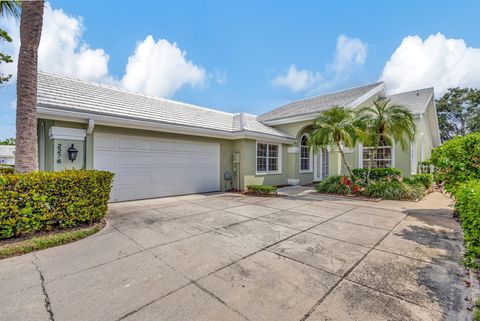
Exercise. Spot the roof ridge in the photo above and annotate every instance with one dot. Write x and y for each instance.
(112, 87)
(411, 91)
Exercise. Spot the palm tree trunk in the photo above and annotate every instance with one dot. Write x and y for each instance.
(349, 169)
(370, 162)
(31, 22)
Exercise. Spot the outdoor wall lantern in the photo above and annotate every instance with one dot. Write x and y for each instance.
(72, 153)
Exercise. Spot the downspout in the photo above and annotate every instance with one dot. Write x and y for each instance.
(90, 127)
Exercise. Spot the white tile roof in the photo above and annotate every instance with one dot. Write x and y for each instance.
(318, 103)
(61, 93)
(415, 100)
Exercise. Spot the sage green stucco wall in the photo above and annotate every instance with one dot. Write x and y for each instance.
(247, 149)
(225, 145)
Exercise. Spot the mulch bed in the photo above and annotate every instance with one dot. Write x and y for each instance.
(247, 193)
(19, 239)
(356, 197)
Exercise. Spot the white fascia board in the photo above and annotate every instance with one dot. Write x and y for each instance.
(105, 120)
(56, 132)
(366, 96)
(288, 120)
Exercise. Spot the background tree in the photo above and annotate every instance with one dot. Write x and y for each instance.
(8, 141)
(31, 22)
(7, 8)
(335, 127)
(458, 112)
(387, 123)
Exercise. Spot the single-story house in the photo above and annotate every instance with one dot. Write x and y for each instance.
(159, 147)
(7, 154)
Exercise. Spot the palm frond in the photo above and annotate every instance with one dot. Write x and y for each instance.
(10, 8)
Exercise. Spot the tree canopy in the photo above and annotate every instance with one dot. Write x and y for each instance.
(458, 112)
(8, 141)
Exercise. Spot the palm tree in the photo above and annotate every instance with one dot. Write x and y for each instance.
(31, 22)
(385, 122)
(10, 8)
(335, 126)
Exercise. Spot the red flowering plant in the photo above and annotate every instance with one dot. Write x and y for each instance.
(353, 187)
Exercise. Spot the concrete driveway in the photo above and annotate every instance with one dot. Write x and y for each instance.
(229, 257)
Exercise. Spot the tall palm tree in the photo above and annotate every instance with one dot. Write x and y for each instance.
(385, 122)
(31, 22)
(337, 127)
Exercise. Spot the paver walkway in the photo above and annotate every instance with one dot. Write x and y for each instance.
(231, 257)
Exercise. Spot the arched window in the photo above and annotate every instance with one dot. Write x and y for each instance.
(305, 161)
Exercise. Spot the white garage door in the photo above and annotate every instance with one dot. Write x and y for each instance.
(149, 167)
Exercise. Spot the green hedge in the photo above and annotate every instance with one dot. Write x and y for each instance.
(457, 161)
(376, 173)
(6, 170)
(262, 189)
(467, 204)
(43, 201)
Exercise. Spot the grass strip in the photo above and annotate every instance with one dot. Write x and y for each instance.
(46, 241)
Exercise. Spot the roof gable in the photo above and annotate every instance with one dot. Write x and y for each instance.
(316, 104)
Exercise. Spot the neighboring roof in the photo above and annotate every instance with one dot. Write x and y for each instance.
(319, 103)
(7, 150)
(61, 93)
(415, 100)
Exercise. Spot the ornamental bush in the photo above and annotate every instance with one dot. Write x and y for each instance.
(334, 185)
(262, 189)
(425, 179)
(376, 173)
(467, 204)
(457, 161)
(394, 190)
(43, 201)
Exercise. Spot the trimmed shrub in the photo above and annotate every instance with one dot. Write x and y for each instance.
(333, 184)
(6, 170)
(377, 173)
(457, 161)
(43, 201)
(262, 189)
(467, 204)
(425, 179)
(394, 190)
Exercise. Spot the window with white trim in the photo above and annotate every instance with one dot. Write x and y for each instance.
(268, 157)
(382, 157)
(305, 157)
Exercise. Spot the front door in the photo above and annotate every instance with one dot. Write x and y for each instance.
(321, 160)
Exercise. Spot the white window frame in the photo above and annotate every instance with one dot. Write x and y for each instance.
(310, 158)
(392, 155)
(279, 159)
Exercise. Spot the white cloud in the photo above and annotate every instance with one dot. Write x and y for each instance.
(61, 50)
(437, 61)
(155, 68)
(349, 53)
(160, 68)
(297, 80)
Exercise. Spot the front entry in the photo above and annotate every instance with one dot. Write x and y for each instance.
(321, 160)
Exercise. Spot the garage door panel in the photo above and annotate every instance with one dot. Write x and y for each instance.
(149, 167)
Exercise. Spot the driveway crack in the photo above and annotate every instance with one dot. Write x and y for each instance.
(48, 306)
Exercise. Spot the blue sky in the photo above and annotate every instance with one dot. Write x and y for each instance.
(236, 56)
